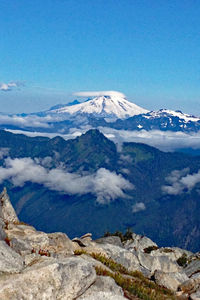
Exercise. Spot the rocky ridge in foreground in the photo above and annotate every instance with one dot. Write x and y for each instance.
(37, 265)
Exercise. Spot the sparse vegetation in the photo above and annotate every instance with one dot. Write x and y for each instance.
(133, 282)
(124, 237)
(167, 250)
(150, 248)
(137, 287)
(182, 261)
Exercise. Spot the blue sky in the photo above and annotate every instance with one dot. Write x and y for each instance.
(147, 49)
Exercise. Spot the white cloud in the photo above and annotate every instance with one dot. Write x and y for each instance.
(179, 180)
(5, 87)
(105, 185)
(100, 93)
(163, 140)
(139, 206)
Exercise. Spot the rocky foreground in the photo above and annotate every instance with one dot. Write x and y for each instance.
(36, 265)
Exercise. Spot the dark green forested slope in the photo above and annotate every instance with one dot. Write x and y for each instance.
(167, 219)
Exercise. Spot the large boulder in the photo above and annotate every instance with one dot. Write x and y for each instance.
(173, 253)
(170, 280)
(64, 279)
(193, 267)
(25, 239)
(122, 256)
(114, 240)
(103, 284)
(139, 243)
(160, 263)
(10, 261)
(191, 285)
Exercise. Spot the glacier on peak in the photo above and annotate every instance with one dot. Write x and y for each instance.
(104, 104)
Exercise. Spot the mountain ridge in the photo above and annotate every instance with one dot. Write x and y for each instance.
(91, 167)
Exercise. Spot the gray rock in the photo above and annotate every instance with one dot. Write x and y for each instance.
(10, 261)
(191, 285)
(170, 280)
(104, 296)
(24, 239)
(122, 256)
(105, 284)
(95, 262)
(160, 263)
(114, 240)
(60, 243)
(7, 212)
(20, 246)
(193, 267)
(51, 279)
(139, 243)
(173, 253)
(196, 295)
(2, 231)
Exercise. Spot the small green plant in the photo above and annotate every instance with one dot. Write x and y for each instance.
(150, 248)
(124, 237)
(137, 287)
(79, 252)
(167, 250)
(182, 261)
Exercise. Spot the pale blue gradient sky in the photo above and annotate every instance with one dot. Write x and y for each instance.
(147, 49)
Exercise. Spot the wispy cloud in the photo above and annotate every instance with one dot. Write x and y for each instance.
(99, 93)
(105, 185)
(179, 181)
(6, 87)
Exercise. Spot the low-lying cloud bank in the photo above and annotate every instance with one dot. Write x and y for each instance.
(105, 185)
(180, 180)
(163, 140)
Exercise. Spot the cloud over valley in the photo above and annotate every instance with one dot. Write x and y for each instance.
(106, 186)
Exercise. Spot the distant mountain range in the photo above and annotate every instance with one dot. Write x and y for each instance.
(112, 111)
(89, 183)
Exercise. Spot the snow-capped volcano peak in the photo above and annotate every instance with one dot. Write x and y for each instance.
(105, 104)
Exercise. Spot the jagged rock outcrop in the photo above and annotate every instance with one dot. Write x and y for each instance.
(37, 265)
(7, 212)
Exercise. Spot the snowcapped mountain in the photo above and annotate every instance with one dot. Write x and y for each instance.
(171, 113)
(162, 119)
(106, 106)
(108, 109)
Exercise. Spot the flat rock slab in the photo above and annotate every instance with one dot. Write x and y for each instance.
(122, 256)
(105, 284)
(52, 279)
(170, 280)
(193, 267)
(10, 261)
